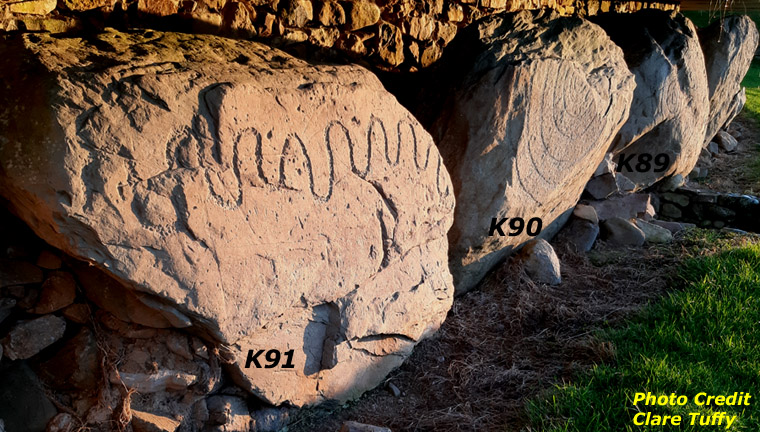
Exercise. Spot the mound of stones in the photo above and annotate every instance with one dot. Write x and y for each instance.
(266, 204)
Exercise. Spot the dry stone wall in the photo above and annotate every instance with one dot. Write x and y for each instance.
(394, 34)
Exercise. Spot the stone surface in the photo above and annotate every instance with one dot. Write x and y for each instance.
(297, 12)
(270, 419)
(147, 422)
(75, 365)
(14, 272)
(602, 186)
(32, 7)
(58, 291)
(230, 412)
(63, 422)
(571, 88)
(729, 45)
(726, 142)
(670, 104)
(586, 212)
(330, 13)
(28, 338)
(541, 262)
(672, 183)
(158, 8)
(622, 232)
(673, 227)
(579, 234)
(85, 5)
(49, 260)
(360, 14)
(314, 220)
(352, 426)
(24, 405)
(390, 44)
(653, 232)
(606, 166)
(624, 184)
(627, 207)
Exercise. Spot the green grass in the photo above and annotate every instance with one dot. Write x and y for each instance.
(702, 337)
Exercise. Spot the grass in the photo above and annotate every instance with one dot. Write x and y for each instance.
(701, 337)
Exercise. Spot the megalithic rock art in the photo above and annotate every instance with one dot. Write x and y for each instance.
(265, 202)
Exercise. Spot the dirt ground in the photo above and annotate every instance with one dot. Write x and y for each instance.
(510, 339)
(737, 171)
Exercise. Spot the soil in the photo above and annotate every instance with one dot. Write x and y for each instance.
(739, 170)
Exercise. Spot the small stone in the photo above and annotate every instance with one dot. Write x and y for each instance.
(713, 148)
(628, 206)
(24, 404)
(719, 224)
(494, 4)
(63, 422)
(670, 211)
(673, 227)
(58, 291)
(78, 313)
(421, 27)
(624, 184)
(229, 411)
(296, 13)
(361, 14)
(654, 233)
(353, 44)
(32, 7)
(271, 419)
(580, 234)
(672, 183)
(726, 142)
(455, 12)
(680, 199)
(28, 338)
(607, 166)
(430, 54)
(73, 366)
(586, 212)
(85, 5)
(352, 426)
(602, 186)
(158, 7)
(268, 26)
(445, 32)
(237, 20)
(391, 44)
(49, 260)
(621, 232)
(292, 36)
(324, 37)
(147, 422)
(541, 262)
(6, 308)
(395, 391)
(19, 273)
(330, 13)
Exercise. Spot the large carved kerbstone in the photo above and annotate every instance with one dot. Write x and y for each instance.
(534, 101)
(266, 202)
(728, 46)
(665, 130)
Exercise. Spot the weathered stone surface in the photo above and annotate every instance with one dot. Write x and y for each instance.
(24, 406)
(654, 233)
(32, 7)
(360, 14)
(606, 166)
(726, 142)
(670, 104)
(75, 365)
(297, 12)
(541, 262)
(626, 207)
(14, 272)
(330, 13)
(85, 5)
(30, 337)
(390, 44)
(58, 291)
(314, 220)
(237, 20)
(158, 7)
(729, 45)
(579, 234)
(49, 260)
(622, 232)
(602, 186)
(63, 422)
(270, 419)
(586, 212)
(352, 426)
(229, 411)
(533, 103)
(673, 227)
(147, 422)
